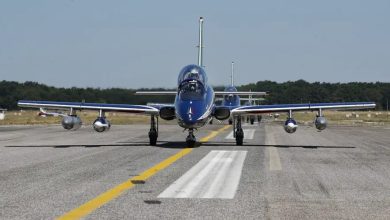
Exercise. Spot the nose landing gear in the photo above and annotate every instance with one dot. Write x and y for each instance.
(237, 131)
(191, 140)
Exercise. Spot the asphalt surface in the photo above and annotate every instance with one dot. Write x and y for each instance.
(339, 173)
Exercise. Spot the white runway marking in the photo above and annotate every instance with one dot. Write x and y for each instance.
(248, 134)
(217, 175)
(274, 159)
(250, 125)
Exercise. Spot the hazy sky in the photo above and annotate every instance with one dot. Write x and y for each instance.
(133, 44)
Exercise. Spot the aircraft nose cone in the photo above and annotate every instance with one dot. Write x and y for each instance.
(189, 112)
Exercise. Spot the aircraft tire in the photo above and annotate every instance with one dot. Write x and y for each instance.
(190, 143)
(239, 137)
(152, 138)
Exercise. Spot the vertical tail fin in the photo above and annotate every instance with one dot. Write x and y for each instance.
(232, 75)
(250, 98)
(200, 47)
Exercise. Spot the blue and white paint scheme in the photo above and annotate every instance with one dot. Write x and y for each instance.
(195, 99)
(194, 106)
(231, 100)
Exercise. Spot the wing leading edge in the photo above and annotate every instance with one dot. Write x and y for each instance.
(259, 109)
(90, 106)
(215, 92)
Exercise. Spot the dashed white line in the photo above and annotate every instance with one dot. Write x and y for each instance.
(274, 159)
(217, 175)
(248, 134)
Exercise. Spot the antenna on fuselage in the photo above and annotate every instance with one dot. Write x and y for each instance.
(232, 75)
(200, 46)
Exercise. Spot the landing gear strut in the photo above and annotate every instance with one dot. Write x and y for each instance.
(153, 132)
(252, 119)
(237, 131)
(259, 117)
(191, 140)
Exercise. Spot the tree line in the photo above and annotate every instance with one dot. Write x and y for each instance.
(287, 92)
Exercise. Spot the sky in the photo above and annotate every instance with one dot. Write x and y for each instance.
(135, 44)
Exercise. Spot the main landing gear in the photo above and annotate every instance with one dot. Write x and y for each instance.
(153, 132)
(237, 131)
(191, 140)
(252, 119)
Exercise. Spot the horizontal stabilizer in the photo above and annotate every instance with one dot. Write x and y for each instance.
(240, 93)
(155, 93)
(252, 99)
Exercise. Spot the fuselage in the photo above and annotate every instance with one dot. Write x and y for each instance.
(231, 100)
(194, 100)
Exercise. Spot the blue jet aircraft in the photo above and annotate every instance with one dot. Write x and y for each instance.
(233, 100)
(193, 108)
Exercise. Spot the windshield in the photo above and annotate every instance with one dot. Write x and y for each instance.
(192, 90)
(192, 72)
(230, 98)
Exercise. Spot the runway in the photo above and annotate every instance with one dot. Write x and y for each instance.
(47, 172)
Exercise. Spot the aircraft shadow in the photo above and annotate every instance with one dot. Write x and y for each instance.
(162, 144)
(275, 145)
(176, 145)
(81, 145)
(180, 145)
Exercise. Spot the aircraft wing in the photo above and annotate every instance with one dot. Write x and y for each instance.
(259, 109)
(160, 105)
(90, 106)
(240, 93)
(216, 93)
(252, 99)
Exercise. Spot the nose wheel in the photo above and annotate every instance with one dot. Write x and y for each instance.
(238, 132)
(191, 140)
(153, 132)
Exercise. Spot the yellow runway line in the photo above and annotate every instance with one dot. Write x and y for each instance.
(113, 193)
(214, 133)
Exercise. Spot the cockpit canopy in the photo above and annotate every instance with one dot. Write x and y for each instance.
(192, 80)
(192, 72)
(230, 98)
(192, 90)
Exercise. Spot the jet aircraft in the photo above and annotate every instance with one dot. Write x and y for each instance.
(193, 107)
(233, 101)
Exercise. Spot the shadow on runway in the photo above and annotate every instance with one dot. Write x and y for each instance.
(161, 144)
(276, 145)
(167, 144)
(176, 145)
(82, 145)
(180, 145)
